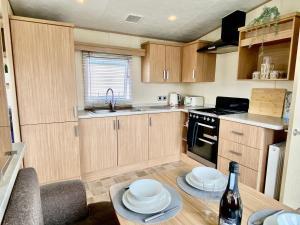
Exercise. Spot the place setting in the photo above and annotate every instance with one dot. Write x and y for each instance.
(203, 182)
(274, 217)
(145, 201)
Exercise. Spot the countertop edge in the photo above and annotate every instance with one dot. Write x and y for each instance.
(255, 123)
(8, 180)
(89, 115)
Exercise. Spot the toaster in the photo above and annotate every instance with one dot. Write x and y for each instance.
(194, 101)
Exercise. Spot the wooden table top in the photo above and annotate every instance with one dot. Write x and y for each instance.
(203, 212)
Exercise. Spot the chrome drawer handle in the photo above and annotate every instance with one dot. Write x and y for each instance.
(237, 133)
(235, 153)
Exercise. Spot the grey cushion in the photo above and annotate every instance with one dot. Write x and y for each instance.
(24, 207)
(64, 202)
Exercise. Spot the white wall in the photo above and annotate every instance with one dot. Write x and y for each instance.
(143, 93)
(226, 83)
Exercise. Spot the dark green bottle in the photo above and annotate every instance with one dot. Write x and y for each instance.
(231, 208)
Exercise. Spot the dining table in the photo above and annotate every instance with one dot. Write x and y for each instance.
(197, 211)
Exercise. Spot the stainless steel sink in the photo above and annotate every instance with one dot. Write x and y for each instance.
(159, 107)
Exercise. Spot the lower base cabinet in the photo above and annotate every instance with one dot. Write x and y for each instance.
(53, 150)
(113, 145)
(132, 139)
(98, 144)
(165, 134)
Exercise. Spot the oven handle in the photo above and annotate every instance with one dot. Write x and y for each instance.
(208, 142)
(208, 126)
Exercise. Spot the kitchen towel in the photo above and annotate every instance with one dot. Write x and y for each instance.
(117, 192)
(206, 195)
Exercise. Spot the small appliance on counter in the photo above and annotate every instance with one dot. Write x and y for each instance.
(174, 99)
(193, 101)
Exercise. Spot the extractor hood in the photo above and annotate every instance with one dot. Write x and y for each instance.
(229, 34)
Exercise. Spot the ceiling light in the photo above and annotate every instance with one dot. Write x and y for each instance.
(172, 18)
(80, 1)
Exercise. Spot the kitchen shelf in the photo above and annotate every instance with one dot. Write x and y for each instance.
(280, 43)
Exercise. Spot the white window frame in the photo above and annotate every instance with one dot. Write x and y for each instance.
(91, 99)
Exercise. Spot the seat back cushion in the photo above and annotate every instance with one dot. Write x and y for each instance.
(24, 206)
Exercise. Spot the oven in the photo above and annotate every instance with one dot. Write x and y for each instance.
(202, 139)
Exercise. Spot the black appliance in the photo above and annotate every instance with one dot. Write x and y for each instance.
(203, 128)
(229, 34)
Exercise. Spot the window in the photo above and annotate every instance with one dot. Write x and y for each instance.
(103, 71)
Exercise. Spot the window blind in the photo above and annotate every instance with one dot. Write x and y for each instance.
(103, 71)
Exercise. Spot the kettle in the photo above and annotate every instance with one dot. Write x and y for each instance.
(174, 99)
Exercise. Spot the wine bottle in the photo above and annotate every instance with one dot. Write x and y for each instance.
(231, 208)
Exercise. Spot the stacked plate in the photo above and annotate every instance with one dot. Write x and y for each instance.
(146, 196)
(283, 219)
(206, 179)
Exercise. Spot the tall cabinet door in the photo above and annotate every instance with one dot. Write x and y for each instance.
(44, 70)
(53, 150)
(165, 138)
(189, 63)
(98, 144)
(132, 139)
(173, 64)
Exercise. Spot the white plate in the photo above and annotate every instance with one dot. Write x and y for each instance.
(159, 205)
(288, 219)
(206, 187)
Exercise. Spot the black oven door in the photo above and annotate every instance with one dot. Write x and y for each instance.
(203, 145)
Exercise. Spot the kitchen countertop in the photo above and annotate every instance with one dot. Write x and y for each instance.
(268, 122)
(84, 114)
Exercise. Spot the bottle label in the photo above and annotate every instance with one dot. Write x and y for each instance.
(227, 221)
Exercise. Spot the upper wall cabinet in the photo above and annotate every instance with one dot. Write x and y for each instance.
(44, 70)
(277, 41)
(162, 63)
(197, 67)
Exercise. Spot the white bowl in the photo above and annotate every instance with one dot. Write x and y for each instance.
(206, 174)
(146, 189)
(288, 219)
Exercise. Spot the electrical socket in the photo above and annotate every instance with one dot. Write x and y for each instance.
(161, 98)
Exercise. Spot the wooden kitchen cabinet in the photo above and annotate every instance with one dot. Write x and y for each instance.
(98, 144)
(165, 135)
(53, 150)
(162, 63)
(197, 67)
(248, 145)
(44, 69)
(132, 139)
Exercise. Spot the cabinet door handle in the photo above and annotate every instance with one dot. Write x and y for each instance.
(76, 130)
(150, 121)
(75, 111)
(193, 74)
(118, 124)
(167, 71)
(237, 133)
(114, 124)
(235, 153)
(164, 74)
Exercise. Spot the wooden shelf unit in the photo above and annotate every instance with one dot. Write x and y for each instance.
(280, 45)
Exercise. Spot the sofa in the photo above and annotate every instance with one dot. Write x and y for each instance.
(62, 203)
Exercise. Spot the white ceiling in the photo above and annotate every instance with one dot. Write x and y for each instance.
(194, 17)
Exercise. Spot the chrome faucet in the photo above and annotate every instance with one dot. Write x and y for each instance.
(112, 102)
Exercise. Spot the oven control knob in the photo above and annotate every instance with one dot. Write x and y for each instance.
(212, 120)
(197, 117)
(204, 118)
(208, 119)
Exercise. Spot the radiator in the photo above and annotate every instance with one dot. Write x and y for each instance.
(274, 170)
